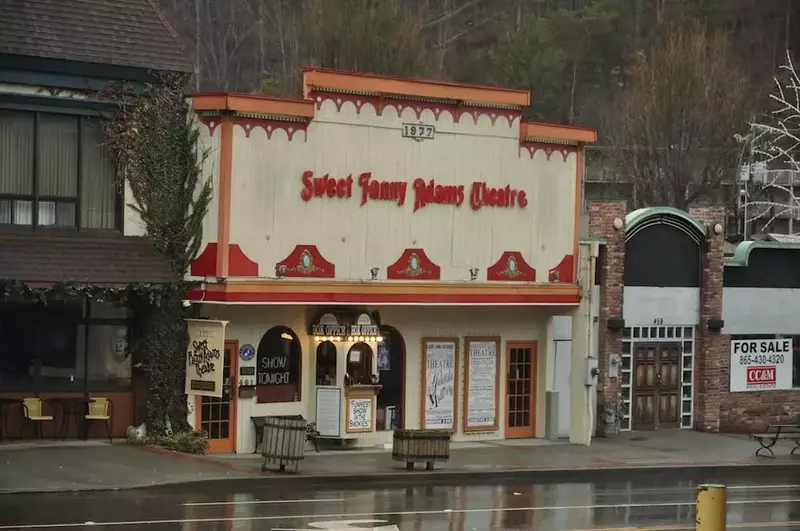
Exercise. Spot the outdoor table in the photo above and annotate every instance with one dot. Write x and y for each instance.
(4, 403)
(72, 407)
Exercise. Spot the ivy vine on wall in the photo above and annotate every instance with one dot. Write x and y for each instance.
(160, 162)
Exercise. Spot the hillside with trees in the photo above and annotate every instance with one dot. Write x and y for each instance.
(668, 83)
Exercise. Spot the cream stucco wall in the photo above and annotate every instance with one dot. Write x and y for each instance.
(269, 218)
(247, 324)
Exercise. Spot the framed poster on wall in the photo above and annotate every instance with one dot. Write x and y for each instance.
(481, 383)
(439, 376)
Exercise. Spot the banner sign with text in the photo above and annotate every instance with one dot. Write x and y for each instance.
(205, 357)
(761, 364)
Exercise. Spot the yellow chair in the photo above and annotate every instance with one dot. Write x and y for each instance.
(33, 411)
(100, 408)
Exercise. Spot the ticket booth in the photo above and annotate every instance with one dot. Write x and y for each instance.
(346, 344)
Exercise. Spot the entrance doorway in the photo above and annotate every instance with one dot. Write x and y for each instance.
(657, 386)
(520, 390)
(217, 416)
(391, 365)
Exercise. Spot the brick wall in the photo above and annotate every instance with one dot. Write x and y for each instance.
(601, 225)
(716, 408)
(711, 354)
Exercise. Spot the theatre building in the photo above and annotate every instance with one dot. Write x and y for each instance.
(389, 253)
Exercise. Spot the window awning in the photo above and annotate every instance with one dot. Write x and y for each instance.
(112, 259)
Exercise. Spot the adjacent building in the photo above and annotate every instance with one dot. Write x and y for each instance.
(62, 215)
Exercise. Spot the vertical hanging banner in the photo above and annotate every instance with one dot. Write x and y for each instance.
(439, 376)
(205, 357)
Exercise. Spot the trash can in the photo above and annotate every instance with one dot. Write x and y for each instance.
(284, 442)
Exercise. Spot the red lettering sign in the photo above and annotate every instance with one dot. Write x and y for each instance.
(425, 192)
(761, 374)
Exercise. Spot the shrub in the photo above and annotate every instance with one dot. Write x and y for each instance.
(187, 442)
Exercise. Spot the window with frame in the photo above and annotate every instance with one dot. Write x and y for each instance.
(72, 346)
(55, 171)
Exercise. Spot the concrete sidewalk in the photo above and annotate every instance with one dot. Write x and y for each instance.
(44, 467)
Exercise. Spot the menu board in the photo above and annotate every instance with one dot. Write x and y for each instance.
(439, 372)
(481, 384)
(359, 414)
(329, 400)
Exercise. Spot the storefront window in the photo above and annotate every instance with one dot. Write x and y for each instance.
(326, 363)
(43, 348)
(278, 366)
(359, 365)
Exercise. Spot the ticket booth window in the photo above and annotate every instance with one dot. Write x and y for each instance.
(326, 363)
(359, 365)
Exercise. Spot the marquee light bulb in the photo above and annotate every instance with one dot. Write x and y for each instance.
(316, 338)
(379, 339)
(349, 338)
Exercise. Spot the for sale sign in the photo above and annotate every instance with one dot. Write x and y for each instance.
(761, 364)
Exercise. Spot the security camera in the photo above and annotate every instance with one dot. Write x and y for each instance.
(186, 303)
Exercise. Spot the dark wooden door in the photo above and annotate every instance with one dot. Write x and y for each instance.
(657, 386)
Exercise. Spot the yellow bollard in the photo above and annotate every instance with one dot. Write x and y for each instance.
(712, 501)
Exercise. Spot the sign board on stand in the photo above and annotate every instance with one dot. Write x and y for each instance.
(761, 364)
(439, 375)
(205, 357)
(329, 402)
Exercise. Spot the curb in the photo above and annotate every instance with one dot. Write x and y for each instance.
(402, 478)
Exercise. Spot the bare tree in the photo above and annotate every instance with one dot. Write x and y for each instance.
(676, 120)
(775, 141)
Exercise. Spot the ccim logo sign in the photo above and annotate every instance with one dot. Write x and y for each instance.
(761, 375)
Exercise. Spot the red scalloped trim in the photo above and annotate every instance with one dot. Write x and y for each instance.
(403, 268)
(270, 126)
(564, 272)
(379, 104)
(239, 265)
(511, 267)
(205, 265)
(211, 122)
(549, 149)
(305, 261)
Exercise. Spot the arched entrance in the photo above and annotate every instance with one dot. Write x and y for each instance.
(391, 360)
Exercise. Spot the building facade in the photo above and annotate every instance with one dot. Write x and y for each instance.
(389, 253)
(688, 336)
(62, 215)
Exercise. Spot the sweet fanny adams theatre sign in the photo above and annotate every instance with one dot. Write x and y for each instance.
(478, 193)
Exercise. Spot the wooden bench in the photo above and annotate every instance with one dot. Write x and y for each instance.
(775, 433)
(260, 422)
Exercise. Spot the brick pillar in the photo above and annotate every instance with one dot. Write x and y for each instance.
(601, 225)
(712, 362)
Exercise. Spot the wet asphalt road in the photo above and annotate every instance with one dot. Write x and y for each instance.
(646, 501)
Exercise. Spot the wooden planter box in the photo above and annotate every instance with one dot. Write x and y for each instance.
(284, 442)
(421, 446)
